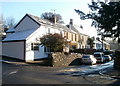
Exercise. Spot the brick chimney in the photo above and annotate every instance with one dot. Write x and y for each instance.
(71, 21)
(54, 18)
(71, 24)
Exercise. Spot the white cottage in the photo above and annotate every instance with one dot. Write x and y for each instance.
(23, 42)
(99, 45)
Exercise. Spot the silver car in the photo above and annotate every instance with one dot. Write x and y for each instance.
(99, 56)
(107, 57)
(88, 59)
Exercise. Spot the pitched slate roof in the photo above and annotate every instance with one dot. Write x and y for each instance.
(96, 41)
(22, 35)
(50, 24)
(10, 30)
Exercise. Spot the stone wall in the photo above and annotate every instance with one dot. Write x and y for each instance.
(61, 59)
(117, 60)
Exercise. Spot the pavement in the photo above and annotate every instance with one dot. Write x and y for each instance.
(20, 62)
(108, 72)
(12, 61)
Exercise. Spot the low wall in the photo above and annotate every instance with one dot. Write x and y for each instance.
(117, 60)
(61, 60)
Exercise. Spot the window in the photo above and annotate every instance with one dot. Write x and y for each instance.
(73, 46)
(35, 46)
(67, 35)
(64, 34)
(71, 37)
(61, 33)
(75, 37)
(83, 38)
(46, 49)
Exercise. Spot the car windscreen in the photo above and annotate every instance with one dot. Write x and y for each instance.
(86, 56)
(97, 55)
(106, 56)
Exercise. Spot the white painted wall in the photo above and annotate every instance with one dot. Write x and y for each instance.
(54, 31)
(13, 49)
(37, 34)
(26, 24)
(42, 30)
(30, 54)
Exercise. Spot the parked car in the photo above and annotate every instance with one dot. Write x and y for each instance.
(112, 55)
(88, 59)
(107, 57)
(109, 52)
(99, 56)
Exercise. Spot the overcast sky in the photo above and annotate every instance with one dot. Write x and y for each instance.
(18, 8)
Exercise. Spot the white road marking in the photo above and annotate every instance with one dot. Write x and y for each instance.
(13, 72)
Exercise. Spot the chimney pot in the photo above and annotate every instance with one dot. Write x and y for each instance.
(71, 21)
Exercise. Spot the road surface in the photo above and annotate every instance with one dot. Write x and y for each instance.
(35, 74)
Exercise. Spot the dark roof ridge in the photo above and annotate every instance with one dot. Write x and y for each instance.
(45, 21)
(40, 21)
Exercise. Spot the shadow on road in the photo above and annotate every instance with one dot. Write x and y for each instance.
(116, 83)
(76, 62)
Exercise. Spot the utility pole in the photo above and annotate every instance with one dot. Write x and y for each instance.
(54, 15)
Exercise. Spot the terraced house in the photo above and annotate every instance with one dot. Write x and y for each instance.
(22, 41)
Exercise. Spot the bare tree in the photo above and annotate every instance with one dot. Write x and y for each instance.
(52, 17)
(1, 18)
(1, 22)
(2, 34)
(10, 22)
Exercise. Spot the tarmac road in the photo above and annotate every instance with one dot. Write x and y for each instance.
(35, 74)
